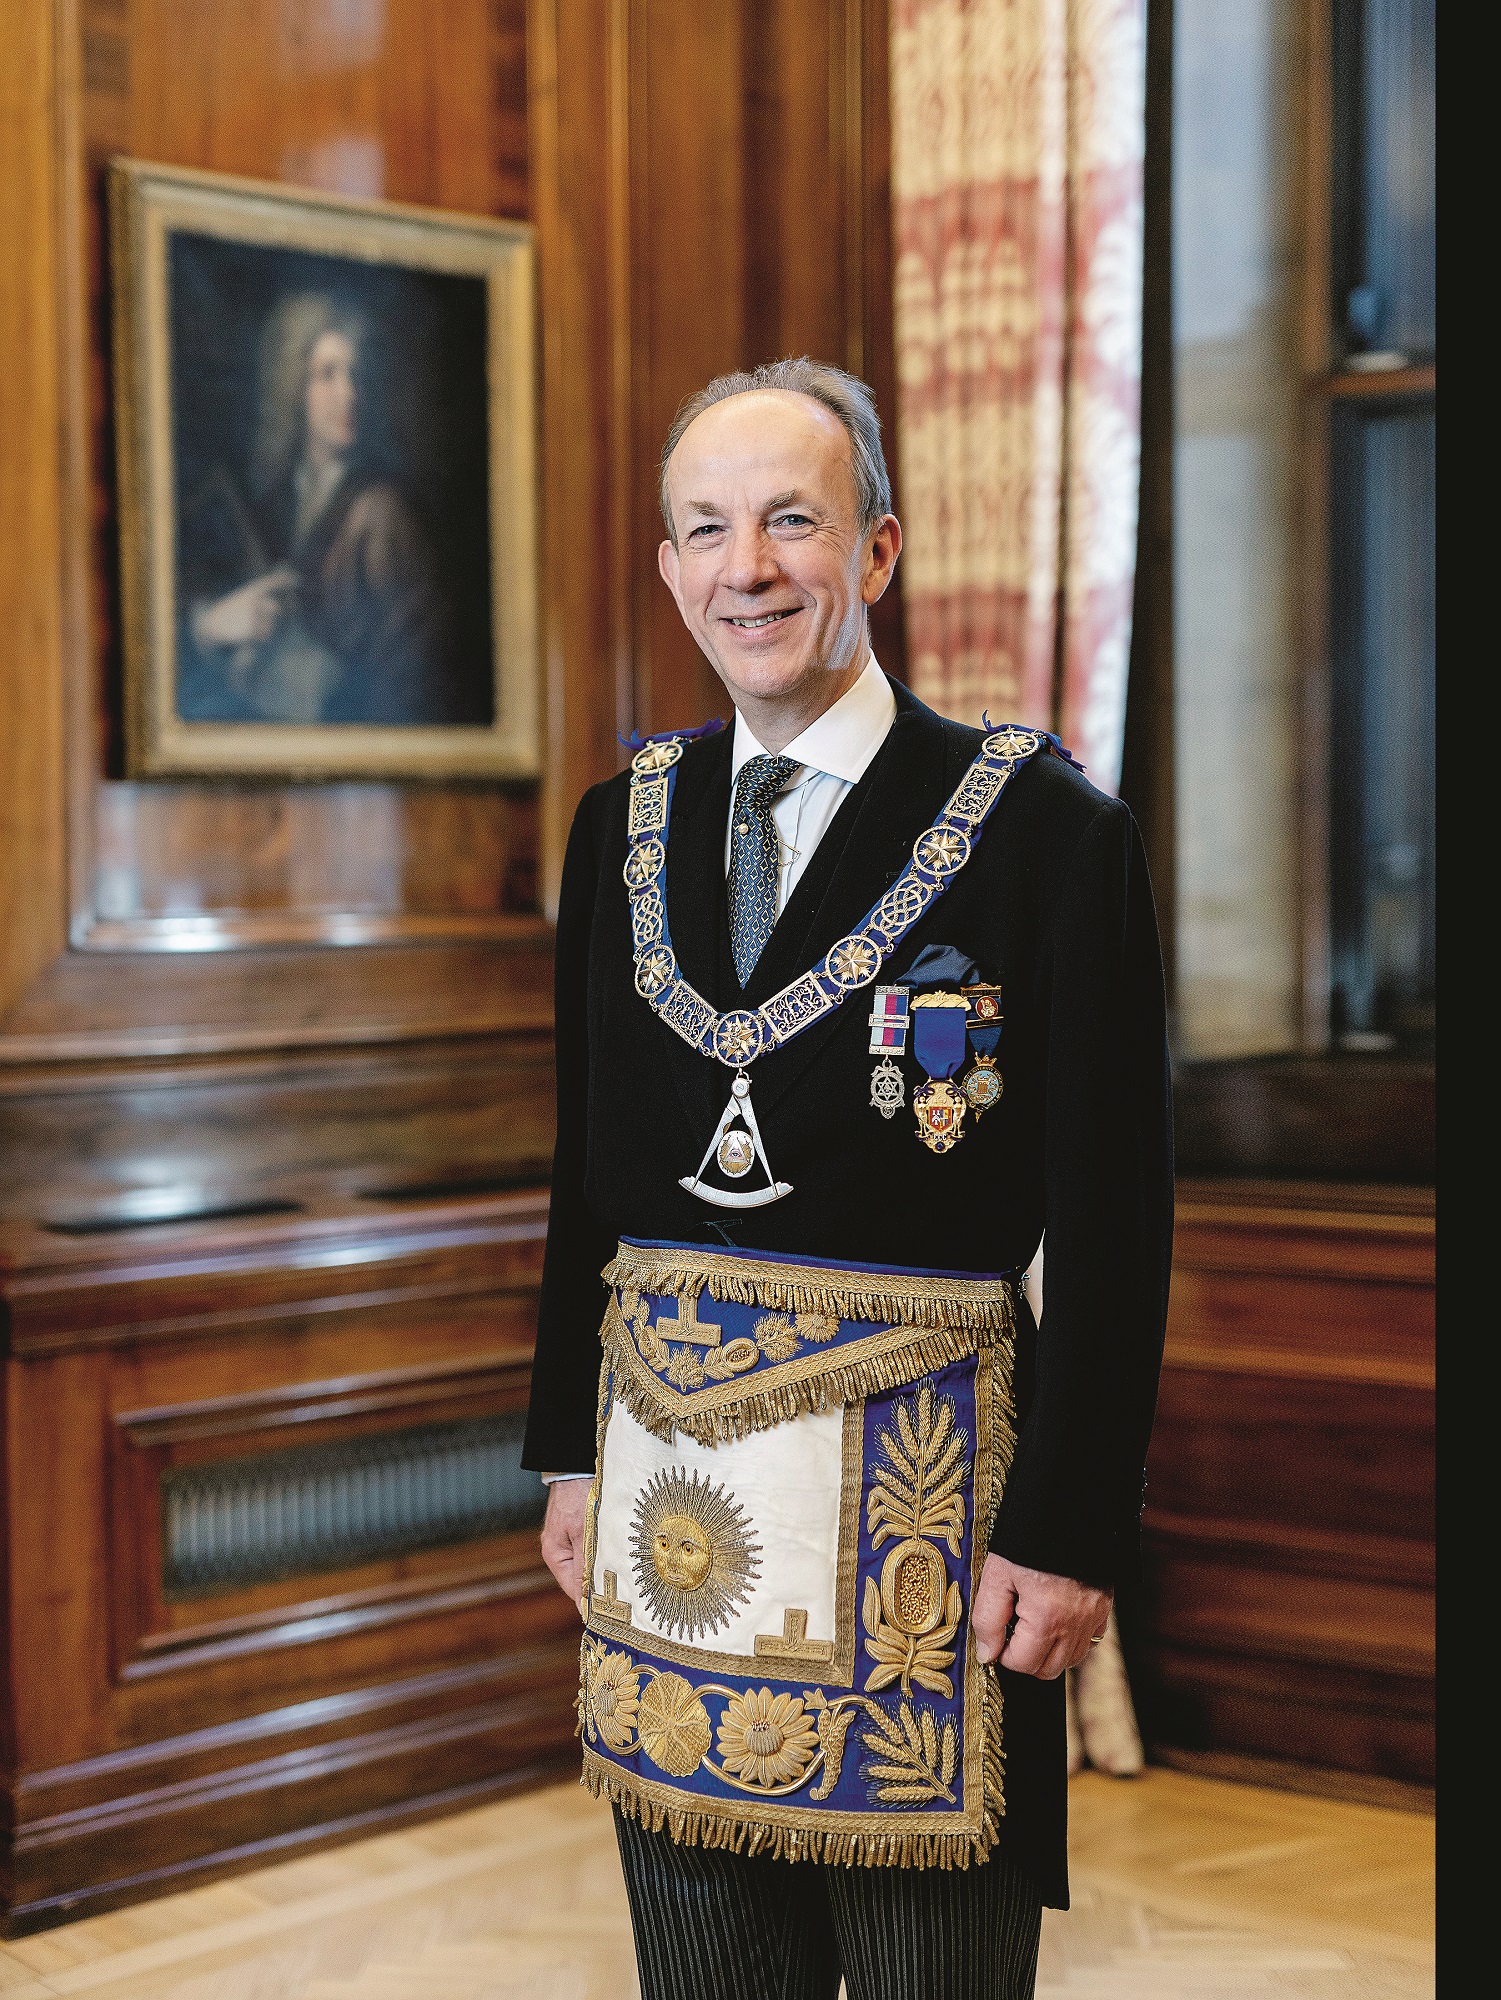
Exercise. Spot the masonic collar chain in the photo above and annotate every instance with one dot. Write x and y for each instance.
(739, 1037)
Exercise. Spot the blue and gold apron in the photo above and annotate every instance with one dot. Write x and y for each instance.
(799, 1465)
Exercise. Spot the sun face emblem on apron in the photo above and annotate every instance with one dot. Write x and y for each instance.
(694, 1553)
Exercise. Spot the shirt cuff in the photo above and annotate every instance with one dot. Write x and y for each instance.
(553, 1478)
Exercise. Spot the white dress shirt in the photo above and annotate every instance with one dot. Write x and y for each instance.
(835, 753)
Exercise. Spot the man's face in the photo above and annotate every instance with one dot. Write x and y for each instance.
(770, 570)
(332, 397)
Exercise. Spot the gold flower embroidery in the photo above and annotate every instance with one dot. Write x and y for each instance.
(765, 1738)
(817, 1327)
(673, 1725)
(614, 1698)
(775, 1338)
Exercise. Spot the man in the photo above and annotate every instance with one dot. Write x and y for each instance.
(826, 1619)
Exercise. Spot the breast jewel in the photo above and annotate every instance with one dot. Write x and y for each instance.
(739, 1037)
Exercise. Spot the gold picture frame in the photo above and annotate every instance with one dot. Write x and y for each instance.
(326, 442)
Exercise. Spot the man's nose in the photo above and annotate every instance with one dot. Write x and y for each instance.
(750, 560)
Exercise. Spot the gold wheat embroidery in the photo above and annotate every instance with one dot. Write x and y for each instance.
(913, 1758)
(920, 1491)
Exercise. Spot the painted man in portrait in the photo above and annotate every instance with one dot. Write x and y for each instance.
(311, 598)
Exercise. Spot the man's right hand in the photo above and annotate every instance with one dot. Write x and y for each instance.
(249, 615)
(563, 1536)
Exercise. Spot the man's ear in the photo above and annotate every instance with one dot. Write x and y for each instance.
(880, 558)
(668, 564)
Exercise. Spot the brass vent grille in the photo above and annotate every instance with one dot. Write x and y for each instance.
(315, 1507)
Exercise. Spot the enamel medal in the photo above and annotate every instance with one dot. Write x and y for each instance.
(982, 1084)
(938, 1023)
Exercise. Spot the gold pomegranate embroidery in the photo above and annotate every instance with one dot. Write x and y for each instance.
(910, 1620)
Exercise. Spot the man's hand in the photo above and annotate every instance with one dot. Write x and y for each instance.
(1033, 1622)
(248, 615)
(563, 1536)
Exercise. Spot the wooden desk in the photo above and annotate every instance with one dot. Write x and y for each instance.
(199, 1678)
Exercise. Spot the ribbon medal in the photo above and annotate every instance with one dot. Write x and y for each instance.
(982, 1087)
(938, 1041)
(888, 1037)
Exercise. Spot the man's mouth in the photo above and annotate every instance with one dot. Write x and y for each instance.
(765, 618)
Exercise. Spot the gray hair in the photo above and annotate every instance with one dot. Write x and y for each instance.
(845, 395)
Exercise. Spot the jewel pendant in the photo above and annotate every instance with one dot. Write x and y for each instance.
(939, 1110)
(736, 1148)
(982, 1087)
(888, 1088)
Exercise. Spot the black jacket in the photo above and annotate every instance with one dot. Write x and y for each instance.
(1054, 905)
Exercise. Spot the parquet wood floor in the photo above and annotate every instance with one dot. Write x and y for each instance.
(1183, 1887)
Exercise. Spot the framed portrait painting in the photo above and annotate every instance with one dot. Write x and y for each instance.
(325, 419)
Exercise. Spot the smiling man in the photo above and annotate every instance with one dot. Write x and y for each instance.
(854, 1002)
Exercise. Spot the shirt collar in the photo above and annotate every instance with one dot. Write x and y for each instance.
(845, 738)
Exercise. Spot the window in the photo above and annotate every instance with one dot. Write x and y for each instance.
(1382, 661)
(1304, 345)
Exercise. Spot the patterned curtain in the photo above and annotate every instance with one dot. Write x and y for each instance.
(1017, 137)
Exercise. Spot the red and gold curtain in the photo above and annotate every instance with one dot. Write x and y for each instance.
(1016, 181)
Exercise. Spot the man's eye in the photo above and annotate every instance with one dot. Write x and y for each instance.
(793, 521)
(708, 528)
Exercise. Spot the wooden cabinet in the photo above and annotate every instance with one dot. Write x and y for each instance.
(1290, 1490)
(272, 1567)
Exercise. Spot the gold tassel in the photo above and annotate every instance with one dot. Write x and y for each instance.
(726, 1413)
(651, 1402)
(895, 1298)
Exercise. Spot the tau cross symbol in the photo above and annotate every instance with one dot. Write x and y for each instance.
(686, 1325)
(607, 1603)
(792, 1642)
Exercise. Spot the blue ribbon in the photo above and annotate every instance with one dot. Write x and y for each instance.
(636, 741)
(940, 965)
(1048, 737)
(938, 1039)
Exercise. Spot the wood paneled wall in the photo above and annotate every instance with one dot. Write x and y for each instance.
(1290, 1491)
(154, 1735)
(319, 1016)
(709, 190)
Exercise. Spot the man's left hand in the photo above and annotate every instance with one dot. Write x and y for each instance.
(1035, 1623)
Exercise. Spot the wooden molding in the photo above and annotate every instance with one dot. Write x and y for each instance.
(203, 1730)
(1297, 1547)
(1379, 384)
(321, 1402)
(293, 1725)
(1278, 1774)
(345, 1616)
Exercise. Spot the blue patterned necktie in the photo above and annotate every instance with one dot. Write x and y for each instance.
(755, 858)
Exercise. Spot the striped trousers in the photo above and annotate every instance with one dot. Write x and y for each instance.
(717, 1926)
